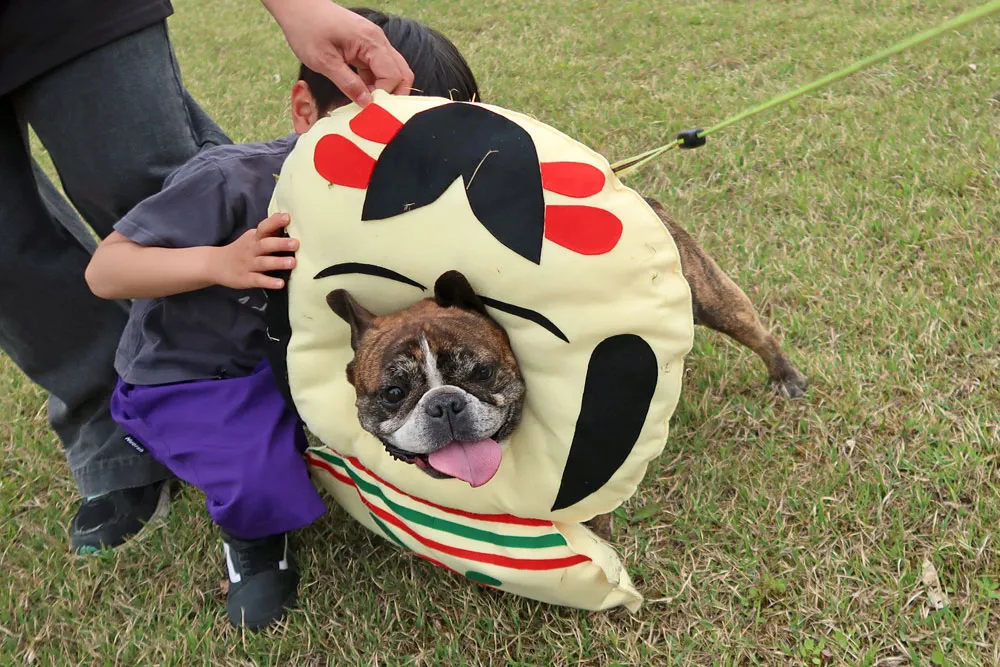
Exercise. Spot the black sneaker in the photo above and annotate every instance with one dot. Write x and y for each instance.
(263, 580)
(107, 521)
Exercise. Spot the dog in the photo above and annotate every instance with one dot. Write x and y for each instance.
(436, 383)
(459, 390)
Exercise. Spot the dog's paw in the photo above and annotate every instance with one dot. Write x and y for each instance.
(792, 384)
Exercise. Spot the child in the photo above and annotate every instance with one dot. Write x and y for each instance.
(196, 391)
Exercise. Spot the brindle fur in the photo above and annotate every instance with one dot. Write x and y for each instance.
(462, 338)
(721, 305)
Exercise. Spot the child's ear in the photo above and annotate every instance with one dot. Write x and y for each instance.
(305, 111)
(349, 310)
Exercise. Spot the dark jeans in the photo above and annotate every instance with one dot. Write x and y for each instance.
(115, 121)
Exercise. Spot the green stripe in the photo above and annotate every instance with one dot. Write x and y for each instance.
(385, 529)
(483, 578)
(461, 530)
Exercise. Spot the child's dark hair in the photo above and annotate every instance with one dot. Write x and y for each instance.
(439, 69)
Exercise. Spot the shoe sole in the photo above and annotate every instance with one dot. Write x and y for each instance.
(286, 606)
(160, 513)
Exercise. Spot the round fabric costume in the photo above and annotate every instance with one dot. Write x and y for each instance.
(576, 267)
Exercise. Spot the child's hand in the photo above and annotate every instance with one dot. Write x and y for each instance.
(245, 261)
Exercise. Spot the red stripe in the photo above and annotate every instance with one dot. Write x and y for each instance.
(347, 480)
(492, 559)
(496, 518)
(438, 563)
(339, 476)
(453, 571)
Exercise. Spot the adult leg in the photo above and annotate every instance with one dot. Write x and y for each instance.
(116, 122)
(60, 209)
(62, 336)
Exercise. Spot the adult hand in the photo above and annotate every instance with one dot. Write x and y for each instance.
(329, 39)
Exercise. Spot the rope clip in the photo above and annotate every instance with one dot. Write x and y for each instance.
(692, 138)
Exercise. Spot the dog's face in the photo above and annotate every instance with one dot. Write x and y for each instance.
(437, 383)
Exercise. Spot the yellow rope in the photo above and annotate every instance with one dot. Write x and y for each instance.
(629, 165)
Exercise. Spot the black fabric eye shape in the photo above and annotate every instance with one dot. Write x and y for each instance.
(495, 158)
(621, 380)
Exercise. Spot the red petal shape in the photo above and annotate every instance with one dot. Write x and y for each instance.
(375, 124)
(583, 229)
(340, 161)
(573, 179)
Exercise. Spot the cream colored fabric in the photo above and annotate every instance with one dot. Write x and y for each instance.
(557, 563)
(636, 288)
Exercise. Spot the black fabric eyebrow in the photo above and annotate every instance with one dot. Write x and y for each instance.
(527, 314)
(367, 269)
(382, 272)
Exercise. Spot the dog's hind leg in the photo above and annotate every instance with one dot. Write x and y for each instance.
(720, 304)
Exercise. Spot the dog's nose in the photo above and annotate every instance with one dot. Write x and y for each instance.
(450, 404)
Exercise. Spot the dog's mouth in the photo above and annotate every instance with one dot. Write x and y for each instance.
(473, 462)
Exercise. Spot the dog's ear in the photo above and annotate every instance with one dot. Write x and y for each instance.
(452, 290)
(349, 310)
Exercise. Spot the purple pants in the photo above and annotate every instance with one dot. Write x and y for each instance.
(236, 440)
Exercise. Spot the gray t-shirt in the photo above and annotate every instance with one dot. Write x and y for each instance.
(215, 332)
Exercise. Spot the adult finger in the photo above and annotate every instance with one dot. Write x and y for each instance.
(406, 83)
(366, 75)
(349, 82)
(392, 73)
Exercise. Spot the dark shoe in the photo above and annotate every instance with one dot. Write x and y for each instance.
(263, 580)
(107, 521)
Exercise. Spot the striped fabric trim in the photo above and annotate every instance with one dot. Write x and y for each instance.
(392, 536)
(328, 456)
(445, 525)
(398, 517)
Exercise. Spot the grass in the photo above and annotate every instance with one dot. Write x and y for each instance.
(863, 221)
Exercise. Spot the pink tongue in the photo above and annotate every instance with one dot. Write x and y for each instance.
(473, 462)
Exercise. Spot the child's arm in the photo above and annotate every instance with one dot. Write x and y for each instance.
(123, 269)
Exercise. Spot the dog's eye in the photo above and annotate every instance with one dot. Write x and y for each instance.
(392, 396)
(483, 372)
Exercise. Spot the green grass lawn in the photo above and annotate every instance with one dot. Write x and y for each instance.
(864, 221)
